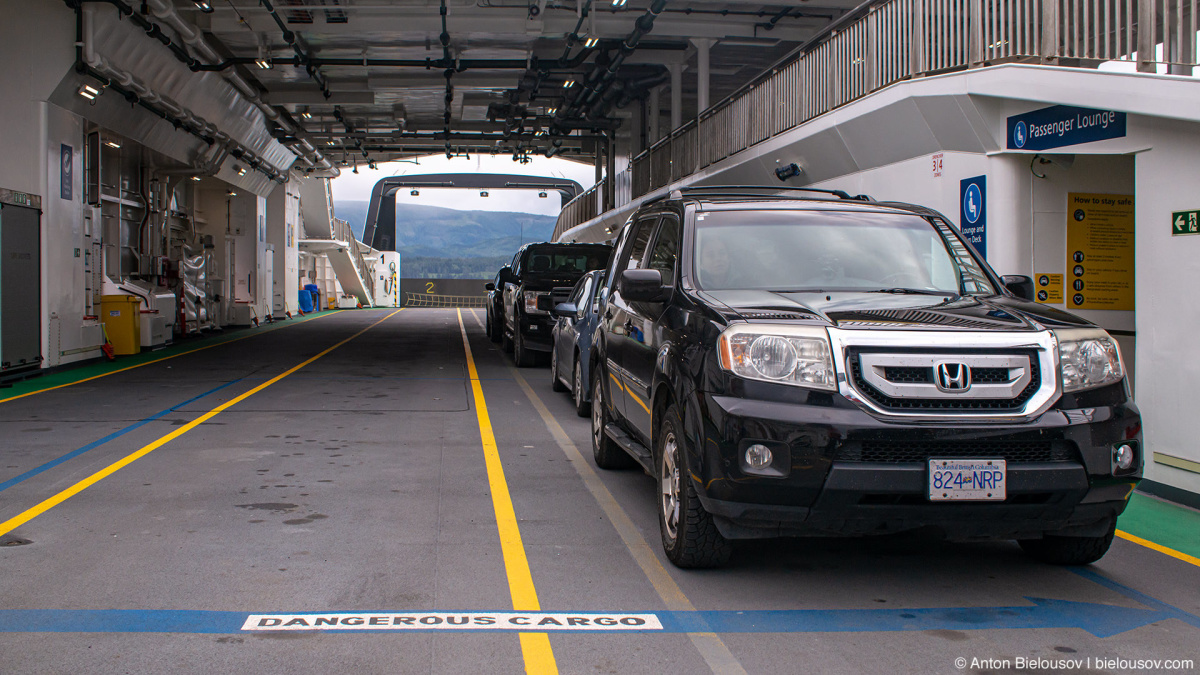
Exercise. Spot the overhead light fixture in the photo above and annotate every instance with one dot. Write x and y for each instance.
(590, 42)
(306, 115)
(552, 111)
(568, 84)
(540, 132)
(618, 3)
(542, 194)
(414, 192)
(203, 6)
(196, 178)
(231, 193)
(89, 92)
(330, 143)
(113, 144)
(483, 193)
(241, 171)
(265, 64)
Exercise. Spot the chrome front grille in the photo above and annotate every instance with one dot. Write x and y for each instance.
(918, 375)
(998, 383)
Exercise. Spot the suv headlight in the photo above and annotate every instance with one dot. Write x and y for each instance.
(798, 355)
(1087, 358)
(531, 302)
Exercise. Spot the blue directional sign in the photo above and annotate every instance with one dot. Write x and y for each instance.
(1062, 125)
(973, 212)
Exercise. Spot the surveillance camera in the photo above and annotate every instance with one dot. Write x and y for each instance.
(787, 171)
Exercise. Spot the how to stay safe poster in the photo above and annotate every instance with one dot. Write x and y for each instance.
(1100, 251)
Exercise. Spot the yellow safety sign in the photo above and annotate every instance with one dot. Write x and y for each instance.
(1100, 251)
(1049, 288)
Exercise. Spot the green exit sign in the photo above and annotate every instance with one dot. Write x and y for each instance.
(1185, 222)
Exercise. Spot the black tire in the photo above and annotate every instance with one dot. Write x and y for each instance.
(582, 405)
(522, 356)
(1057, 550)
(506, 342)
(690, 537)
(494, 331)
(555, 383)
(605, 451)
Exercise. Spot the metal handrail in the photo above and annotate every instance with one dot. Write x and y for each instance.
(880, 43)
(343, 232)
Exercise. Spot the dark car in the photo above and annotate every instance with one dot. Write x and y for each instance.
(570, 360)
(541, 270)
(494, 306)
(790, 365)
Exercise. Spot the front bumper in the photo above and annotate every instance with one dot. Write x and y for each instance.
(823, 487)
(537, 331)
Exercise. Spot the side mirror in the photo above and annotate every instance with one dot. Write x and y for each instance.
(1019, 285)
(566, 310)
(545, 302)
(642, 286)
(489, 286)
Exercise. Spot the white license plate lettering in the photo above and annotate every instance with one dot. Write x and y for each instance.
(968, 480)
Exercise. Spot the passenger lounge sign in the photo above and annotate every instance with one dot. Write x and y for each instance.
(1062, 125)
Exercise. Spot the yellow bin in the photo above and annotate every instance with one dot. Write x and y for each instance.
(122, 317)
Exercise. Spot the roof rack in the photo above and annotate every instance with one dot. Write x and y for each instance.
(727, 189)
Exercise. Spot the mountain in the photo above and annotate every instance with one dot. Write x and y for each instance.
(440, 243)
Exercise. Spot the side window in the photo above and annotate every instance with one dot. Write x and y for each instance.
(666, 248)
(639, 243)
(581, 290)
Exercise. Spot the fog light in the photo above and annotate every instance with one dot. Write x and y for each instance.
(758, 456)
(1123, 457)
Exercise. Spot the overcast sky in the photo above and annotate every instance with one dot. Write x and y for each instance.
(357, 187)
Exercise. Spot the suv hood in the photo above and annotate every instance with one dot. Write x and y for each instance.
(852, 310)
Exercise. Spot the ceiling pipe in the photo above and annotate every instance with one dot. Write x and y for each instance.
(603, 74)
(165, 11)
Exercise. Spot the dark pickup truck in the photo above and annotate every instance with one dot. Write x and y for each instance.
(539, 270)
(788, 365)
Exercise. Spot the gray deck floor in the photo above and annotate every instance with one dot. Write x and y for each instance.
(358, 484)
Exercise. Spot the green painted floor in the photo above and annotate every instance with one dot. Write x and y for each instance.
(69, 375)
(1166, 524)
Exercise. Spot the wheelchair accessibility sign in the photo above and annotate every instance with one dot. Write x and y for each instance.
(973, 212)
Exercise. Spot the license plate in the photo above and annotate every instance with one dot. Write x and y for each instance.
(984, 480)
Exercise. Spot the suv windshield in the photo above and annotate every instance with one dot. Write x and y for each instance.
(566, 259)
(782, 250)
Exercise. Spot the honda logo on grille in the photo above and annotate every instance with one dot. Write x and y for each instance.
(954, 377)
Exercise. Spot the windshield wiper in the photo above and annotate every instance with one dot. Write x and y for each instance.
(914, 291)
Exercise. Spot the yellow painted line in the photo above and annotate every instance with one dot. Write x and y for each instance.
(1190, 559)
(29, 514)
(711, 647)
(639, 401)
(614, 379)
(165, 358)
(535, 647)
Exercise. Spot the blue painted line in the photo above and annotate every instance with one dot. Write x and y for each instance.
(1168, 611)
(115, 435)
(1098, 619)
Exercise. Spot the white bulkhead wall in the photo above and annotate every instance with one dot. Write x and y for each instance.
(1168, 319)
(37, 49)
(283, 232)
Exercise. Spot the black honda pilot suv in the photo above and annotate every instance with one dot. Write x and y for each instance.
(790, 364)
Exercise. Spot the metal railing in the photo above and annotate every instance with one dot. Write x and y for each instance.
(430, 300)
(343, 232)
(882, 43)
